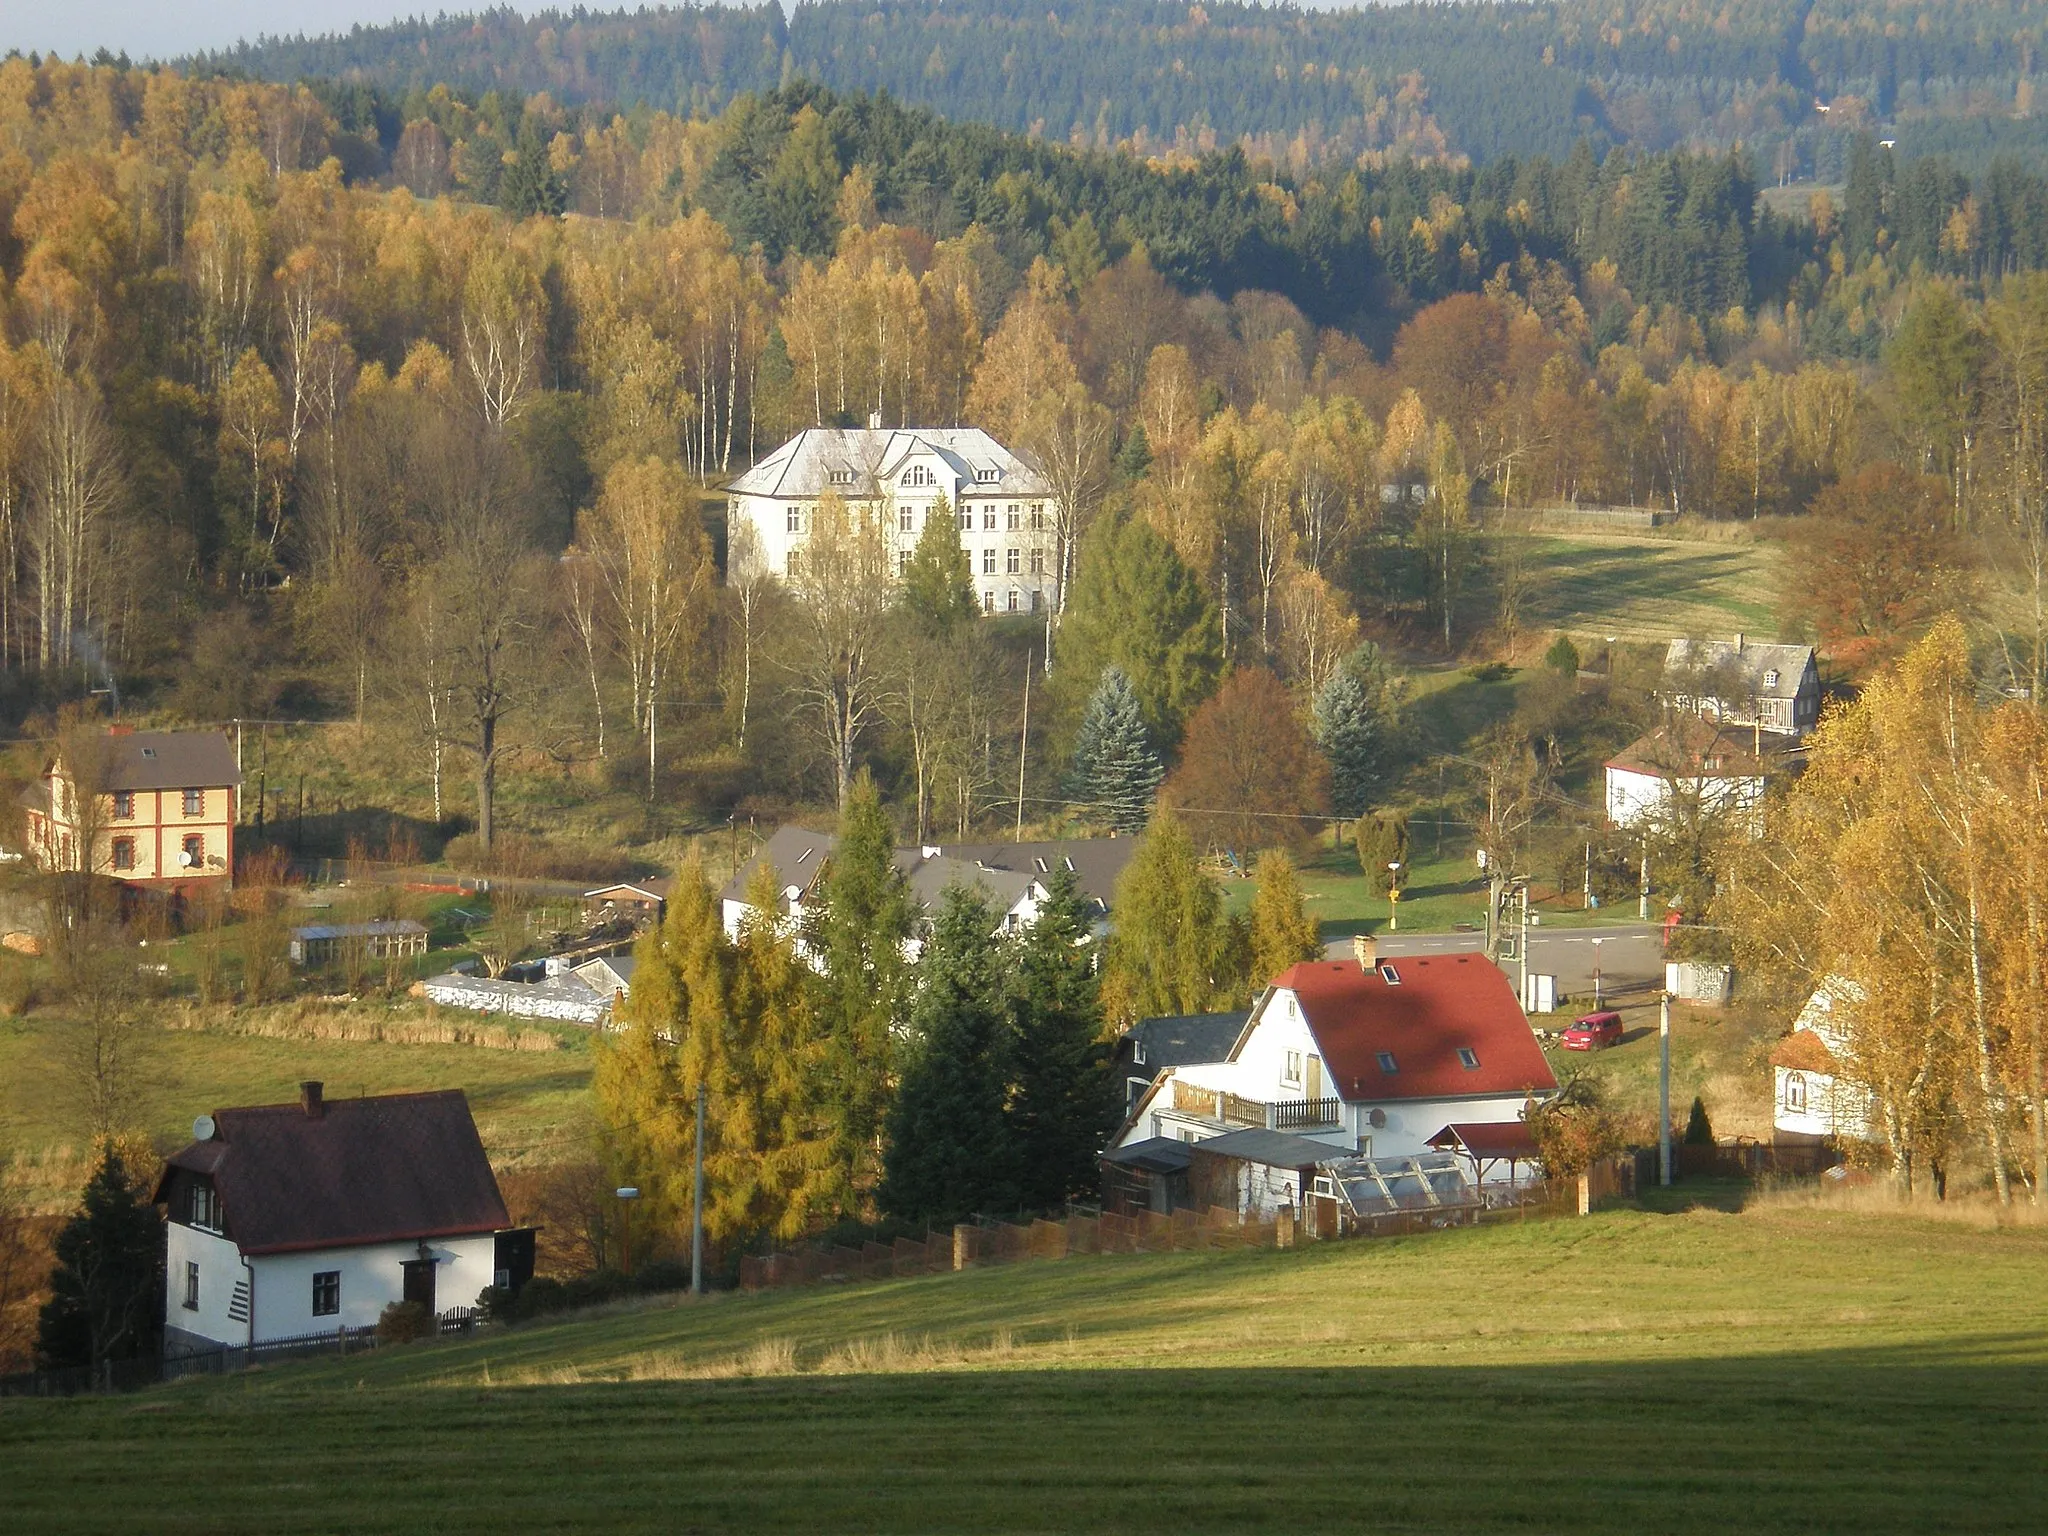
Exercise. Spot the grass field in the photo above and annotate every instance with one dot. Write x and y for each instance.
(1649, 589)
(1691, 1370)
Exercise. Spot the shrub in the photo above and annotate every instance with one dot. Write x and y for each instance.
(402, 1322)
(1699, 1130)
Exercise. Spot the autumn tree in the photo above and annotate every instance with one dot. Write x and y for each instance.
(1282, 933)
(833, 653)
(1249, 776)
(1173, 950)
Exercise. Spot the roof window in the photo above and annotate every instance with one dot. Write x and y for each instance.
(1771, 678)
(986, 476)
(1039, 864)
(1387, 1062)
(1468, 1058)
(1390, 976)
(805, 854)
(149, 751)
(842, 477)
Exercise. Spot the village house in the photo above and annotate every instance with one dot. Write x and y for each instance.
(159, 809)
(1372, 1058)
(1000, 505)
(1765, 686)
(1694, 767)
(1150, 1046)
(1812, 1097)
(1013, 877)
(287, 1221)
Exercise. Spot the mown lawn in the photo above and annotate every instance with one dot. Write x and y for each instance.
(1776, 1369)
(1648, 589)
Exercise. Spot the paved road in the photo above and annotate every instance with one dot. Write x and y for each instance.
(1628, 955)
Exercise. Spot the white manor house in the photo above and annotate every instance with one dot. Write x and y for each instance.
(999, 504)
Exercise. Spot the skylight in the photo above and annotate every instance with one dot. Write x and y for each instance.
(1390, 976)
(1387, 1062)
(149, 751)
(1468, 1058)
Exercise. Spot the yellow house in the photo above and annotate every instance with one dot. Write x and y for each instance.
(167, 803)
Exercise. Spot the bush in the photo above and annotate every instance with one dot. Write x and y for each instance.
(403, 1322)
(1563, 656)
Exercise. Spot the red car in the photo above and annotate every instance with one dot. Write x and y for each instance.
(1594, 1032)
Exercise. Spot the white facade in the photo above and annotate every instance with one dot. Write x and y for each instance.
(1809, 1097)
(1001, 508)
(272, 1296)
(1635, 796)
(1277, 1065)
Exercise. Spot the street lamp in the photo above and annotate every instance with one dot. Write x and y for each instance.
(1394, 896)
(1596, 972)
(627, 1194)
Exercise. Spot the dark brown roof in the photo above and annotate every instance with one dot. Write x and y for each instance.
(170, 760)
(1690, 747)
(394, 1168)
(1483, 1139)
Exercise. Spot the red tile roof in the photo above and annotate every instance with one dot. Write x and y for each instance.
(394, 1168)
(1439, 1004)
(1506, 1138)
(1804, 1051)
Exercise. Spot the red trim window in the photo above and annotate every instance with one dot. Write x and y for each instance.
(195, 851)
(195, 802)
(124, 805)
(124, 853)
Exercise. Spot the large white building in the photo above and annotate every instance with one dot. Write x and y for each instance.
(1000, 506)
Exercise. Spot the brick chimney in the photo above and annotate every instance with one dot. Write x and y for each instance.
(310, 1100)
(120, 729)
(1367, 949)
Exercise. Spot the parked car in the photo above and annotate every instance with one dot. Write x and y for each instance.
(1594, 1032)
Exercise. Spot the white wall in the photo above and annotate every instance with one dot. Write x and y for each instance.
(371, 1278)
(1833, 1107)
(220, 1266)
(1633, 797)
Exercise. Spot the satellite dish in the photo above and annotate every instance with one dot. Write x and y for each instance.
(1377, 1119)
(185, 858)
(203, 1128)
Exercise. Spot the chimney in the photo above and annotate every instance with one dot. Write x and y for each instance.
(310, 1101)
(119, 729)
(1367, 949)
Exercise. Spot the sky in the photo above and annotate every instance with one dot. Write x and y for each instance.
(164, 29)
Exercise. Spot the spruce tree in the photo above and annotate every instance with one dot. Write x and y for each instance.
(1116, 773)
(1171, 950)
(1352, 724)
(1699, 1130)
(106, 1291)
(1064, 1106)
(530, 184)
(1282, 932)
(950, 1147)
(938, 584)
(856, 931)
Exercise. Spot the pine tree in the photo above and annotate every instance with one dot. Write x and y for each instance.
(1116, 773)
(531, 185)
(1282, 932)
(106, 1291)
(1353, 727)
(1382, 842)
(1172, 950)
(856, 930)
(938, 584)
(1135, 457)
(951, 1150)
(1063, 1107)
(1699, 1130)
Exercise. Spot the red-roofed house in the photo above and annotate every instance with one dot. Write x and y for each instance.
(1814, 1097)
(288, 1220)
(1373, 1057)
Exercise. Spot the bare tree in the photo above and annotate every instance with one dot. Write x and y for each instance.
(834, 656)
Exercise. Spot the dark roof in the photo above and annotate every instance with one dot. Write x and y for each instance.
(1691, 746)
(1769, 671)
(1439, 1005)
(1181, 1040)
(795, 854)
(370, 930)
(395, 1168)
(1505, 1138)
(1273, 1149)
(170, 760)
(1097, 862)
(1155, 1154)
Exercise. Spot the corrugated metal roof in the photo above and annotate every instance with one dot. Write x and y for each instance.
(1274, 1149)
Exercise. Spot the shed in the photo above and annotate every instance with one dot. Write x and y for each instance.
(322, 943)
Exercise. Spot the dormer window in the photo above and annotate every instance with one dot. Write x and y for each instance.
(1468, 1058)
(1387, 1063)
(204, 1207)
(1137, 1052)
(987, 476)
(842, 477)
(1771, 678)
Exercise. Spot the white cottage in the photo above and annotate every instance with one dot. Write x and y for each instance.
(1692, 767)
(292, 1220)
(1813, 1098)
(1371, 1057)
(1001, 507)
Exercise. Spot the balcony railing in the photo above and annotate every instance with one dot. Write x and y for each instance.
(1226, 1108)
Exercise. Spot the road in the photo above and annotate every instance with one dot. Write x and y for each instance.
(1629, 956)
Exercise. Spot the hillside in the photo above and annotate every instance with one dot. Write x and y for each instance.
(1476, 80)
(1692, 1370)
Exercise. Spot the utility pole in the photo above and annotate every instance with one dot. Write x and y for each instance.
(1523, 946)
(697, 1206)
(1589, 876)
(1643, 899)
(1024, 746)
(1664, 1090)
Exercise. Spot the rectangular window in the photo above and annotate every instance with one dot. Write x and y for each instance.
(793, 520)
(193, 852)
(326, 1292)
(988, 562)
(1038, 562)
(793, 562)
(988, 517)
(205, 1206)
(1014, 560)
(124, 805)
(191, 1286)
(1015, 595)
(988, 602)
(1038, 514)
(903, 563)
(1290, 1071)
(124, 853)
(1468, 1058)
(195, 802)
(1016, 517)
(1387, 1062)
(966, 518)
(905, 519)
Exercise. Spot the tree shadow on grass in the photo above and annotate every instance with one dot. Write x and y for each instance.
(1910, 1437)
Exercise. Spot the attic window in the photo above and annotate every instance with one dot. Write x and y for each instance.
(842, 477)
(1039, 864)
(805, 854)
(1468, 1058)
(149, 752)
(1771, 678)
(988, 476)
(1387, 1062)
(1070, 865)
(1137, 1052)
(1390, 976)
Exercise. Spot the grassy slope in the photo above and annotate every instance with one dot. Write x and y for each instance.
(1778, 1369)
(1643, 589)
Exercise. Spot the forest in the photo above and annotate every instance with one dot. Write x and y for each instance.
(1793, 81)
